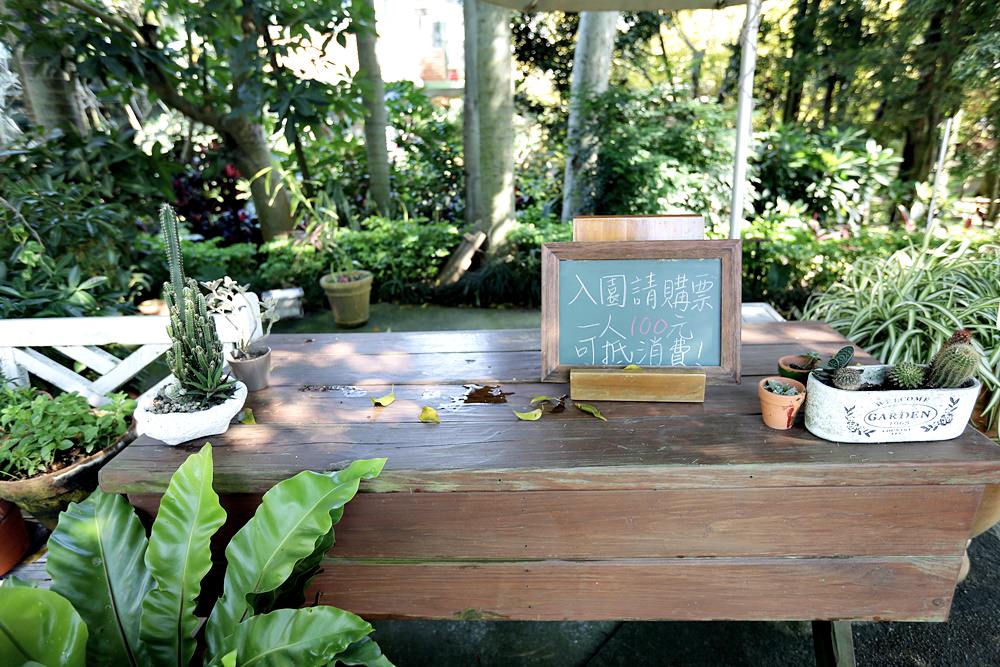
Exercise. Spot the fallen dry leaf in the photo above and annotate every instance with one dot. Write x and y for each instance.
(384, 401)
(246, 416)
(429, 415)
(544, 399)
(632, 367)
(529, 416)
(590, 410)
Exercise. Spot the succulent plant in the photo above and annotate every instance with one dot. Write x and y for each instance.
(840, 360)
(781, 388)
(906, 375)
(953, 366)
(847, 379)
(960, 336)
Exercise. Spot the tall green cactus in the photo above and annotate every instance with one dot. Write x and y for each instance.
(953, 366)
(195, 354)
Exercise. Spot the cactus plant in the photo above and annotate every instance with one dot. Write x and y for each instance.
(953, 366)
(847, 379)
(195, 354)
(960, 336)
(906, 375)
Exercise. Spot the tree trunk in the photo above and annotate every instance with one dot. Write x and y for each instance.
(49, 95)
(373, 94)
(470, 118)
(252, 155)
(921, 130)
(496, 122)
(595, 42)
(803, 45)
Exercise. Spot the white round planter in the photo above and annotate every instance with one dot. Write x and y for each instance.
(904, 415)
(177, 427)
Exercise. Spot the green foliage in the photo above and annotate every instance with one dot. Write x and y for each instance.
(780, 388)
(833, 174)
(140, 604)
(847, 379)
(954, 366)
(195, 353)
(292, 263)
(39, 627)
(204, 260)
(906, 375)
(40, 433)
(904, 308)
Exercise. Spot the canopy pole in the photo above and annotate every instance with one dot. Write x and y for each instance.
(744, 114)
(937, 182)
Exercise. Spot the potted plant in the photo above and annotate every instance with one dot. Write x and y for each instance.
(199, 398)
(347, 289)
(798, 366)
(780, 400)
(897, 403)
(52, 447)
(13, 536)
(250, 360)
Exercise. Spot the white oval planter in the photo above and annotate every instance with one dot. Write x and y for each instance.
(177, 427)
(903, 415)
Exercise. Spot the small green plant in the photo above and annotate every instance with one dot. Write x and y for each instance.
(954, 366)
(195, 354)
(810, 361)
(780, 388)
(228, 298)
(906, 375)
(138, 606)
(40, 433)
(840, 360)
(847, 379)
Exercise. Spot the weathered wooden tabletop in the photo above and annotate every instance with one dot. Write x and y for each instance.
(674, 511)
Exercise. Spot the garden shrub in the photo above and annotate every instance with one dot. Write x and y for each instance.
(293, 263)
(203, 260)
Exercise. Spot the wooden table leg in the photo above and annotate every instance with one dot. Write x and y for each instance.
(833, 642)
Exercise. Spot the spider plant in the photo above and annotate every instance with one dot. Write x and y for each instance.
(903, 308)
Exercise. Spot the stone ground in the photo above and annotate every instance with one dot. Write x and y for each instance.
(971, 638)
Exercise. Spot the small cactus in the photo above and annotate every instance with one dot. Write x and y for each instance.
(847, 379)
(953, 366)
(960, 336)
(906, 375)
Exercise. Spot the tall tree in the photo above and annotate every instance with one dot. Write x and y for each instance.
(496, 122)
(595, 41)
(470, 116)
(800, 62)
(373, 94)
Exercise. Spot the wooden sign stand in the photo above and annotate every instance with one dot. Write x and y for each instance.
(662, 385)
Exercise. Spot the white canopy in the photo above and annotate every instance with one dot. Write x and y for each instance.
(612, 5)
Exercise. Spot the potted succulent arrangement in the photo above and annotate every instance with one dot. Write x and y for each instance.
(798, 366)
(897, 403)
(199, 398)
(250, 360)
(347, 289)
(44, 468)
(780, 400)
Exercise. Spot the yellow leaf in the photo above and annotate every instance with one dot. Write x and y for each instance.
(544, 399)
(590, 410)
(384, 401)
(530, 416)
(246, 416)
(429, 415)
(632, 367)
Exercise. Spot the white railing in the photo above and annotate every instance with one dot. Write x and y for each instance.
(80, 339)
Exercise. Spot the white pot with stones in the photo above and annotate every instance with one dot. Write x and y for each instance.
(173, 428)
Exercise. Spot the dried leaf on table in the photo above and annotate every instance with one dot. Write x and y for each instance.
(632, 367)
(590, 410)
(246, 416)
(429, 415)
(530, 416)
(384, 401)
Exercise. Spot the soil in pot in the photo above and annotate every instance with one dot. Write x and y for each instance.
(13, 536)
(778, 411)
(796, 367)
(253, 370)
(349, 294)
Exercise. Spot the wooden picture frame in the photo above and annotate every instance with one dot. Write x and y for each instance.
(729, 252)
(666, 227)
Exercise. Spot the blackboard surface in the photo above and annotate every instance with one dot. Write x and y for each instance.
(650, 312)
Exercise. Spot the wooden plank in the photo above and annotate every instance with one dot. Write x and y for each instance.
(672, 385)
(583, 453)
(128, 367)
(121, 330)
(90, 356)
(669, 227)
(41, 366)
(833, 642)
(684, 589)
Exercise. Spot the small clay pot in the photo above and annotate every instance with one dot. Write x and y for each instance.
(45, 496)
(13, 536)
(785, 369)
(349, 299)
(255, 373)
(779, 411)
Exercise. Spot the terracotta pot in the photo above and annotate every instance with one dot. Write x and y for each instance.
(785, 369)
(779, 411)
(45, 496)
(349, 300)
(255, 373)
(13, 536)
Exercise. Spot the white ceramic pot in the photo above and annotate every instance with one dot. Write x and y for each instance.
(903, 415)
(177, 427)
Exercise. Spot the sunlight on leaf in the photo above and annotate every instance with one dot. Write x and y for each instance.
(384, 401)
(429, 415)
(246, 416)
(530, 416)
(544, 399)
(632, 367)
(590, 410)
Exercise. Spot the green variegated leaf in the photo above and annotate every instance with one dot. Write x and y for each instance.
(178, 558)
(97, 562)
(293, 516)
(363, 652)
(292, 592)
(40, 627)
(297, 637)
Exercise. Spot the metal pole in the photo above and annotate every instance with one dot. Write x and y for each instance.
(936, 183)
(744, 114)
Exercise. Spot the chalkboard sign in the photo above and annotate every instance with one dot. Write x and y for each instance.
(656, 304)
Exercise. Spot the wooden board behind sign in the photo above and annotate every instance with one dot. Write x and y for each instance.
(670, 227)
(623, 305)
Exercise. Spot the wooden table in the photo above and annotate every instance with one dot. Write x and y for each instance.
(666, 511)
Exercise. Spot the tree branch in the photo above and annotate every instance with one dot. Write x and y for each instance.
(110, 19)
